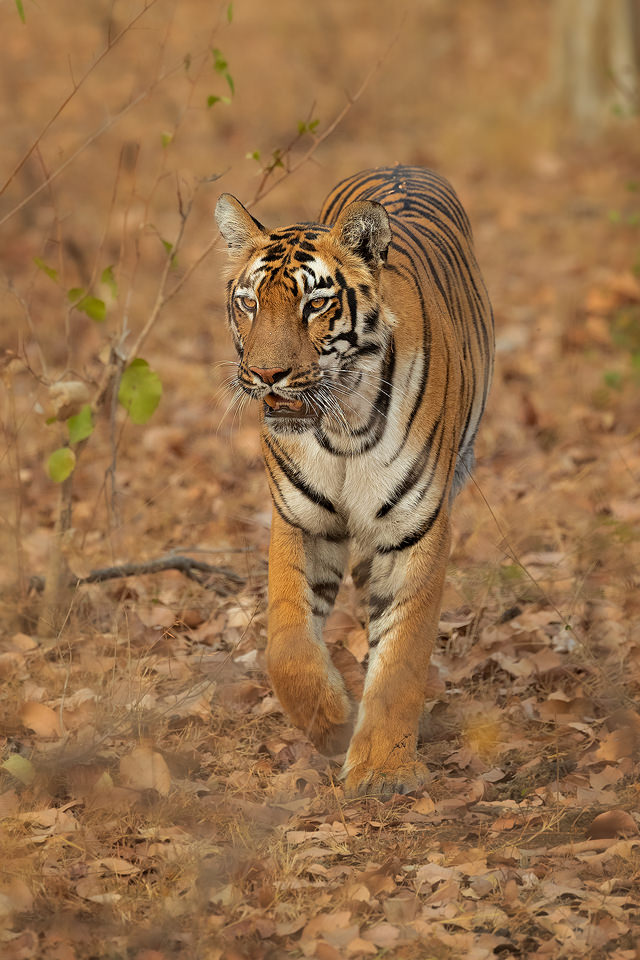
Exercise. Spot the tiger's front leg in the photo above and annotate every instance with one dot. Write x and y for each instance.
(404, 609)
(304, 577)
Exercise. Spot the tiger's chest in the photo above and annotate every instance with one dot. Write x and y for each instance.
(351, 496)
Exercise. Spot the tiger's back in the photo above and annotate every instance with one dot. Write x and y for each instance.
(432, 250)
(368, 338)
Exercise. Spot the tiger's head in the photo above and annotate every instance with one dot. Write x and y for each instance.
(304, 308)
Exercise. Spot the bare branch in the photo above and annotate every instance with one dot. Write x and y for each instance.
(196, 570)
(75, 87)
(187, 565)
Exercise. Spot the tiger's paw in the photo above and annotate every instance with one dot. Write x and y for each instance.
(383, 782)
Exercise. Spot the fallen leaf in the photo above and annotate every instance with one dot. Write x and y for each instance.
(122, 868)
(357, 643)
(401, 909)
(382, 934)
(617, 745)
(378, 880)
(23, 642)
(239, 696)
(605, 778)
(613, 823)
(95, 890)
(424, 805)
(12, 662)
(155, 615)
(17, 894)
(20, 768)
(40, 718)
(338, 625)
(144, 769)
(50, 822)
(361, 948)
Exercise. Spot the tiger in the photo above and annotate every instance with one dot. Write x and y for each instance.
(368, 340)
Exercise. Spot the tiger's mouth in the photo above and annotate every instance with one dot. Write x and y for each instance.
(282, 408)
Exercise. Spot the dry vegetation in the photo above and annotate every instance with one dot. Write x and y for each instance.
(154, 801)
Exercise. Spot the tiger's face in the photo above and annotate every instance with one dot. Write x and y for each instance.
(304, 312)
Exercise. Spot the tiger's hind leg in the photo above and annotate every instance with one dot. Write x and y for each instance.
(304, 577)
(404, 609)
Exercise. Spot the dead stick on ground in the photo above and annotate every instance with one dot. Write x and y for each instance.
(186, 565)
(196, 570)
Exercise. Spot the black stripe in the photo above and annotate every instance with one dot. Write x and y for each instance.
(327, 590)
(378, 605)
(361, 573)
(278, 507)
(411, 539)
(416, 471)
(294, 477)
(352, 303)
(373, 430)
(371, 320)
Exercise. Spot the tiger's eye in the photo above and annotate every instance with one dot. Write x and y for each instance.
(317, 302)
(247, 303)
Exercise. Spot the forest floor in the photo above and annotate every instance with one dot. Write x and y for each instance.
(155, 802)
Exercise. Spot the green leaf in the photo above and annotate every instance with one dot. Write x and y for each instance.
(93, 307)
(169, 247)
(140, 390)
(229, 12)
(20, 9)
(107, 277)
(229, 80)
(254, 155)
(20, 768)
(166, 139)
(220, 65)
(60, 464)
(613, 379)
(304, 127)
(81, 425)
(76, 293)
(41, 265)
(212, 100)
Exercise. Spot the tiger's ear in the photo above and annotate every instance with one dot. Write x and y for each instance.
(363, 227)
(236, 224)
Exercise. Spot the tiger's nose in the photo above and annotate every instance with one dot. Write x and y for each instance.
(269, 374)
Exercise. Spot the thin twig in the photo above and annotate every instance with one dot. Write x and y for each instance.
(264, 190)
(96, 135)
(75, 87)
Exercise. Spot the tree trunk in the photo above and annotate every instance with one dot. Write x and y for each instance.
(594, 59)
